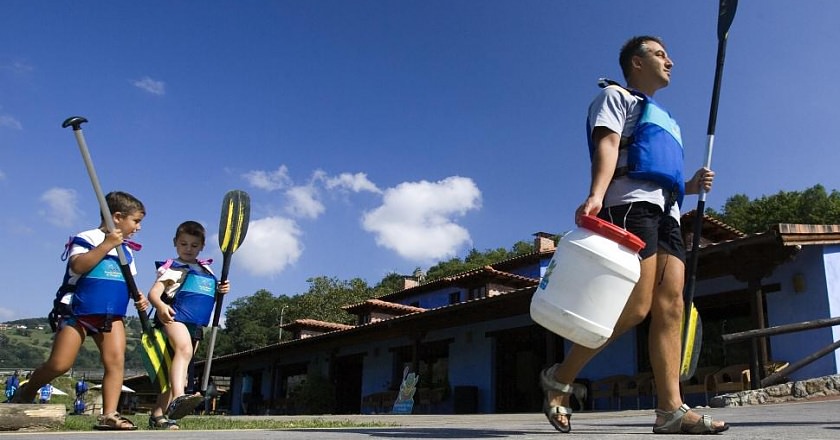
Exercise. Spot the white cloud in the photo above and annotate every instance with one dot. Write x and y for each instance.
(272, 244)
(10, 122)
(269, 181)
(416, 219)
(2, 175)
(61, 209)
(354, 182)
(303, 202)
(18, 67)
(150, 85)
(6, 314)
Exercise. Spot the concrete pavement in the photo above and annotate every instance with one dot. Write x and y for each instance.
(784, 421)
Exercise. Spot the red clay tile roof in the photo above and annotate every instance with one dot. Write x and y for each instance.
(478, 273)
(315, 324)
(376, 304)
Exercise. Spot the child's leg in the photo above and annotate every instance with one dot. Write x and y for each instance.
(181, 341)
(112, 352)
(68, 340)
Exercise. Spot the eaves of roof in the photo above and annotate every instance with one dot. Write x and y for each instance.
(475, 274)
(437, 318)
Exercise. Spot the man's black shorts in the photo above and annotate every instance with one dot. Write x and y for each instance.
(658, 230)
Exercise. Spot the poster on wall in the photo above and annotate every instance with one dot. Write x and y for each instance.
(404, 404)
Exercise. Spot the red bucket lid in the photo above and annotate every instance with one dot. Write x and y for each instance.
(612, 232)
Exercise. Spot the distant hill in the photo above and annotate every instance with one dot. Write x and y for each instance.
(26, 343)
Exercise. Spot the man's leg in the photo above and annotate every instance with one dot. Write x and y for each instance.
(665, 336)
(637, 308)
(665, 326)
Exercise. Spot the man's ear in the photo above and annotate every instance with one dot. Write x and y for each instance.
(636, 62)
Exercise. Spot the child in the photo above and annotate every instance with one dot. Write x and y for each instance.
(45, 393)
(12, 384)
(93, 302)
(183, 296)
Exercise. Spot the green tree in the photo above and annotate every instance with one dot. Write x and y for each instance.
(812, 206)
(249, 322)
(326, 296)
(476, 259)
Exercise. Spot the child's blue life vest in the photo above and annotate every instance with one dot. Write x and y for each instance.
(100, 291)
(12, 384)
(194, 300)
(655, 150)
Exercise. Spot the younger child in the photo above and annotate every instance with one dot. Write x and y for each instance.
(183, 296)
(94, 304)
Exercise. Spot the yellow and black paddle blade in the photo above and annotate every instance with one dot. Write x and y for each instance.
(692, 338)
(233, 225)
(157, 358)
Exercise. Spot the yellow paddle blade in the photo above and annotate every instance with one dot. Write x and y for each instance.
(233, 225)
(157, 358)
(692, 334)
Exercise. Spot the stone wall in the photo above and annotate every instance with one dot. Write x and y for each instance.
(819, 387)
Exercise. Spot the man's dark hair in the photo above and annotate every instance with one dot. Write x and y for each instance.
(634, 47)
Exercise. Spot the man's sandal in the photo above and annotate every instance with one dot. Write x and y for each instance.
(673, 423)
(548, 383)
(114, 422)
(161, 422)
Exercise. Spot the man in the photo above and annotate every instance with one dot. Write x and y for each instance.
(646, 203)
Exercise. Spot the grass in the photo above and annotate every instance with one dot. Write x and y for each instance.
(86, 423)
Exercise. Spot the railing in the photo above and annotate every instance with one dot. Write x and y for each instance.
(754, 335)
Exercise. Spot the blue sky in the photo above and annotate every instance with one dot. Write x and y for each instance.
(373, 136)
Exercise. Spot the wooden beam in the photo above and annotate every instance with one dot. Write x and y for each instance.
(31, 417)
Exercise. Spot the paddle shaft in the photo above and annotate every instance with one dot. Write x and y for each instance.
(725, 17)
(216, 316)
(710, 140)
(76, 123)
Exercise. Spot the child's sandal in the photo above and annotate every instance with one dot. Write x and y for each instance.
(183, 405)
(114, 422)
(161, 422)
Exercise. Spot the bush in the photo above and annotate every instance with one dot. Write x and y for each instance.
(315, 395)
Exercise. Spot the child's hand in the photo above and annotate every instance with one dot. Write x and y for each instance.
(114, 238)
(165, 314)
(224, 287)
(142, 303)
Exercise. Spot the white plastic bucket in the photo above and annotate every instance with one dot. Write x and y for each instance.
(587, 282)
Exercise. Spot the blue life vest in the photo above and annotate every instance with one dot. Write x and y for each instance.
(12, 384)
(194, 300)
(100, 291)
(655, 151)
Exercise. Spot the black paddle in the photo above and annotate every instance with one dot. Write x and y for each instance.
(233, 225)
(691, 343)
(154, 346)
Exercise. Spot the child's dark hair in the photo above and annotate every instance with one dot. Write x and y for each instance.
(190, 227)
(124, 202)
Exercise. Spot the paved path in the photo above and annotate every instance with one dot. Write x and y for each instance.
(785, 421)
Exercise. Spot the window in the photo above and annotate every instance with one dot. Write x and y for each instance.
(477, 292)
(454, 297)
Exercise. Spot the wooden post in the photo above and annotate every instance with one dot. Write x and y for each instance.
(31, 417)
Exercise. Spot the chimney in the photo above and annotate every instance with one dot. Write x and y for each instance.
(409, 282)
(544, 242)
